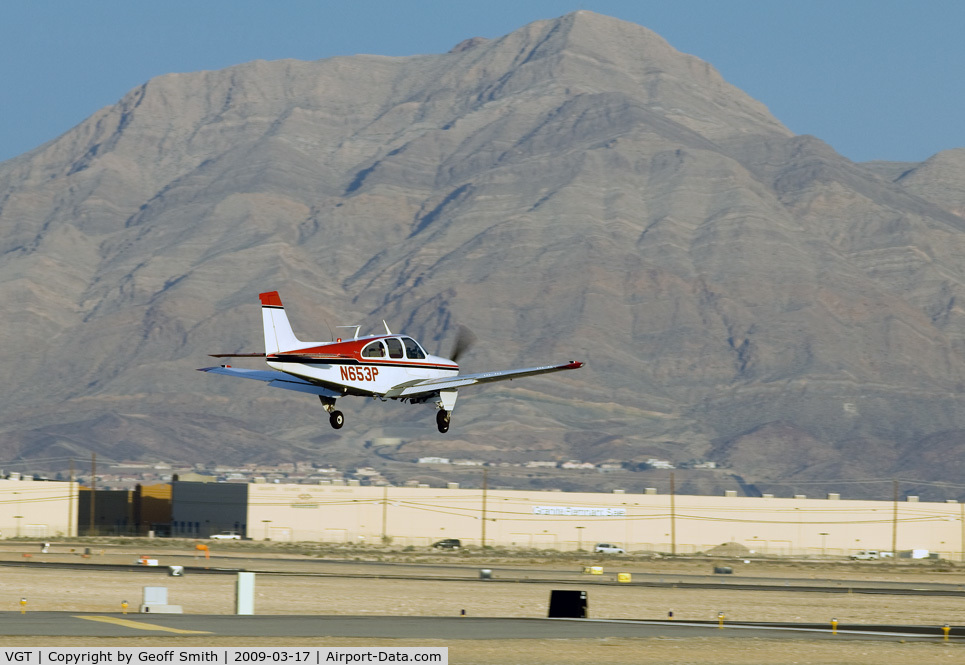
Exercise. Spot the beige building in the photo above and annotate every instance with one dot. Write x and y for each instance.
(37, 509)
(547, 520)
(570, 520)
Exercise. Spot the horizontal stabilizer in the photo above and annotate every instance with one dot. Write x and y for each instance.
(236, 355)
(274, 379)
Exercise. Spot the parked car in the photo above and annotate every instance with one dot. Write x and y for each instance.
(226, 535)
(867, 555)
(448, 544)
(607, 548)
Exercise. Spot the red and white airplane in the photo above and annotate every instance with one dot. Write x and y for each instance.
(388, 366)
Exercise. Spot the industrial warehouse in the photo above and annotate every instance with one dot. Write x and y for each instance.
(420, 516)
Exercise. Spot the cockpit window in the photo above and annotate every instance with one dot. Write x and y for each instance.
(412, 349)
(374, 350)
(395, 347)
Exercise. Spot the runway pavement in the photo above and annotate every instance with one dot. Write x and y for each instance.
(42, 624)
(449, 627)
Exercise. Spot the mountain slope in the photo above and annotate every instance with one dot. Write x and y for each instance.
(575, 189)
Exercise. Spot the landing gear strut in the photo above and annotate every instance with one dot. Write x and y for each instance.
(442, 420)
(446, 400)
(335, 417)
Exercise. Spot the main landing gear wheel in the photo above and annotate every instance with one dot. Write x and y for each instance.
(442, 421)
(337, 419)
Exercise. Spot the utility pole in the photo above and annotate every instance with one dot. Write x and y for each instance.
(484, 489)
(93, 490)
(673, 517)
(894, 520)
(70, 499)
(385, 509)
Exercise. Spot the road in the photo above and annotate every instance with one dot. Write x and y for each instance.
(443, 572)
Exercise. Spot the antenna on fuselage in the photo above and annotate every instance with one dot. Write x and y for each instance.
(357, 328)
(387, 331)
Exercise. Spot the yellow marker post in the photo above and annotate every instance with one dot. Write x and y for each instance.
(720, 620)
(23, 605)
(834, 626)
(123, 607)
(945, 630)
(624, 577)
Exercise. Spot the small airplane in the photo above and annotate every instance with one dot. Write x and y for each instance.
(389, 366)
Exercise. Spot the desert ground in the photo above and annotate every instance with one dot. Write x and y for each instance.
(356, 590)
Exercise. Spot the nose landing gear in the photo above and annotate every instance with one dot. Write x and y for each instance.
(442, 420)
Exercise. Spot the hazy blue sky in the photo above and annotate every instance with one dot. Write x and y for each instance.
(876, 79)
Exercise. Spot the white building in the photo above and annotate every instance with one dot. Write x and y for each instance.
(37, 508)
(638, 522)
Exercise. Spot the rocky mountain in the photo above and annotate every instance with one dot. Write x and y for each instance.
(577, 189)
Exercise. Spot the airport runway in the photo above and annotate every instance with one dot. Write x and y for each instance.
(133, 625)
(73, 624)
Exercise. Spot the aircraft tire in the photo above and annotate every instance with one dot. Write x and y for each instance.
(442, 421)
(337, 419)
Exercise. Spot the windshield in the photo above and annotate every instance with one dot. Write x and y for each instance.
(412, 349)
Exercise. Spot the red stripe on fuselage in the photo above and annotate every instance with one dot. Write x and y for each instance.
(352, 347)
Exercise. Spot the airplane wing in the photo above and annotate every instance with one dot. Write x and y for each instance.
(422, 386)
(274, 379)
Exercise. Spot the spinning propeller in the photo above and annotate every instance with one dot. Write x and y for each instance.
(464, 341)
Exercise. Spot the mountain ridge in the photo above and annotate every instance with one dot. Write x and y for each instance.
(575, 189)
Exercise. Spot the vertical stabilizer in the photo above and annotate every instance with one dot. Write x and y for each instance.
(278, 331)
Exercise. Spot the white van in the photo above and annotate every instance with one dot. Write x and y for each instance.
(867, 555)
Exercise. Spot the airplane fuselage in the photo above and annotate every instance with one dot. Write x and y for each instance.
(365, 366)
